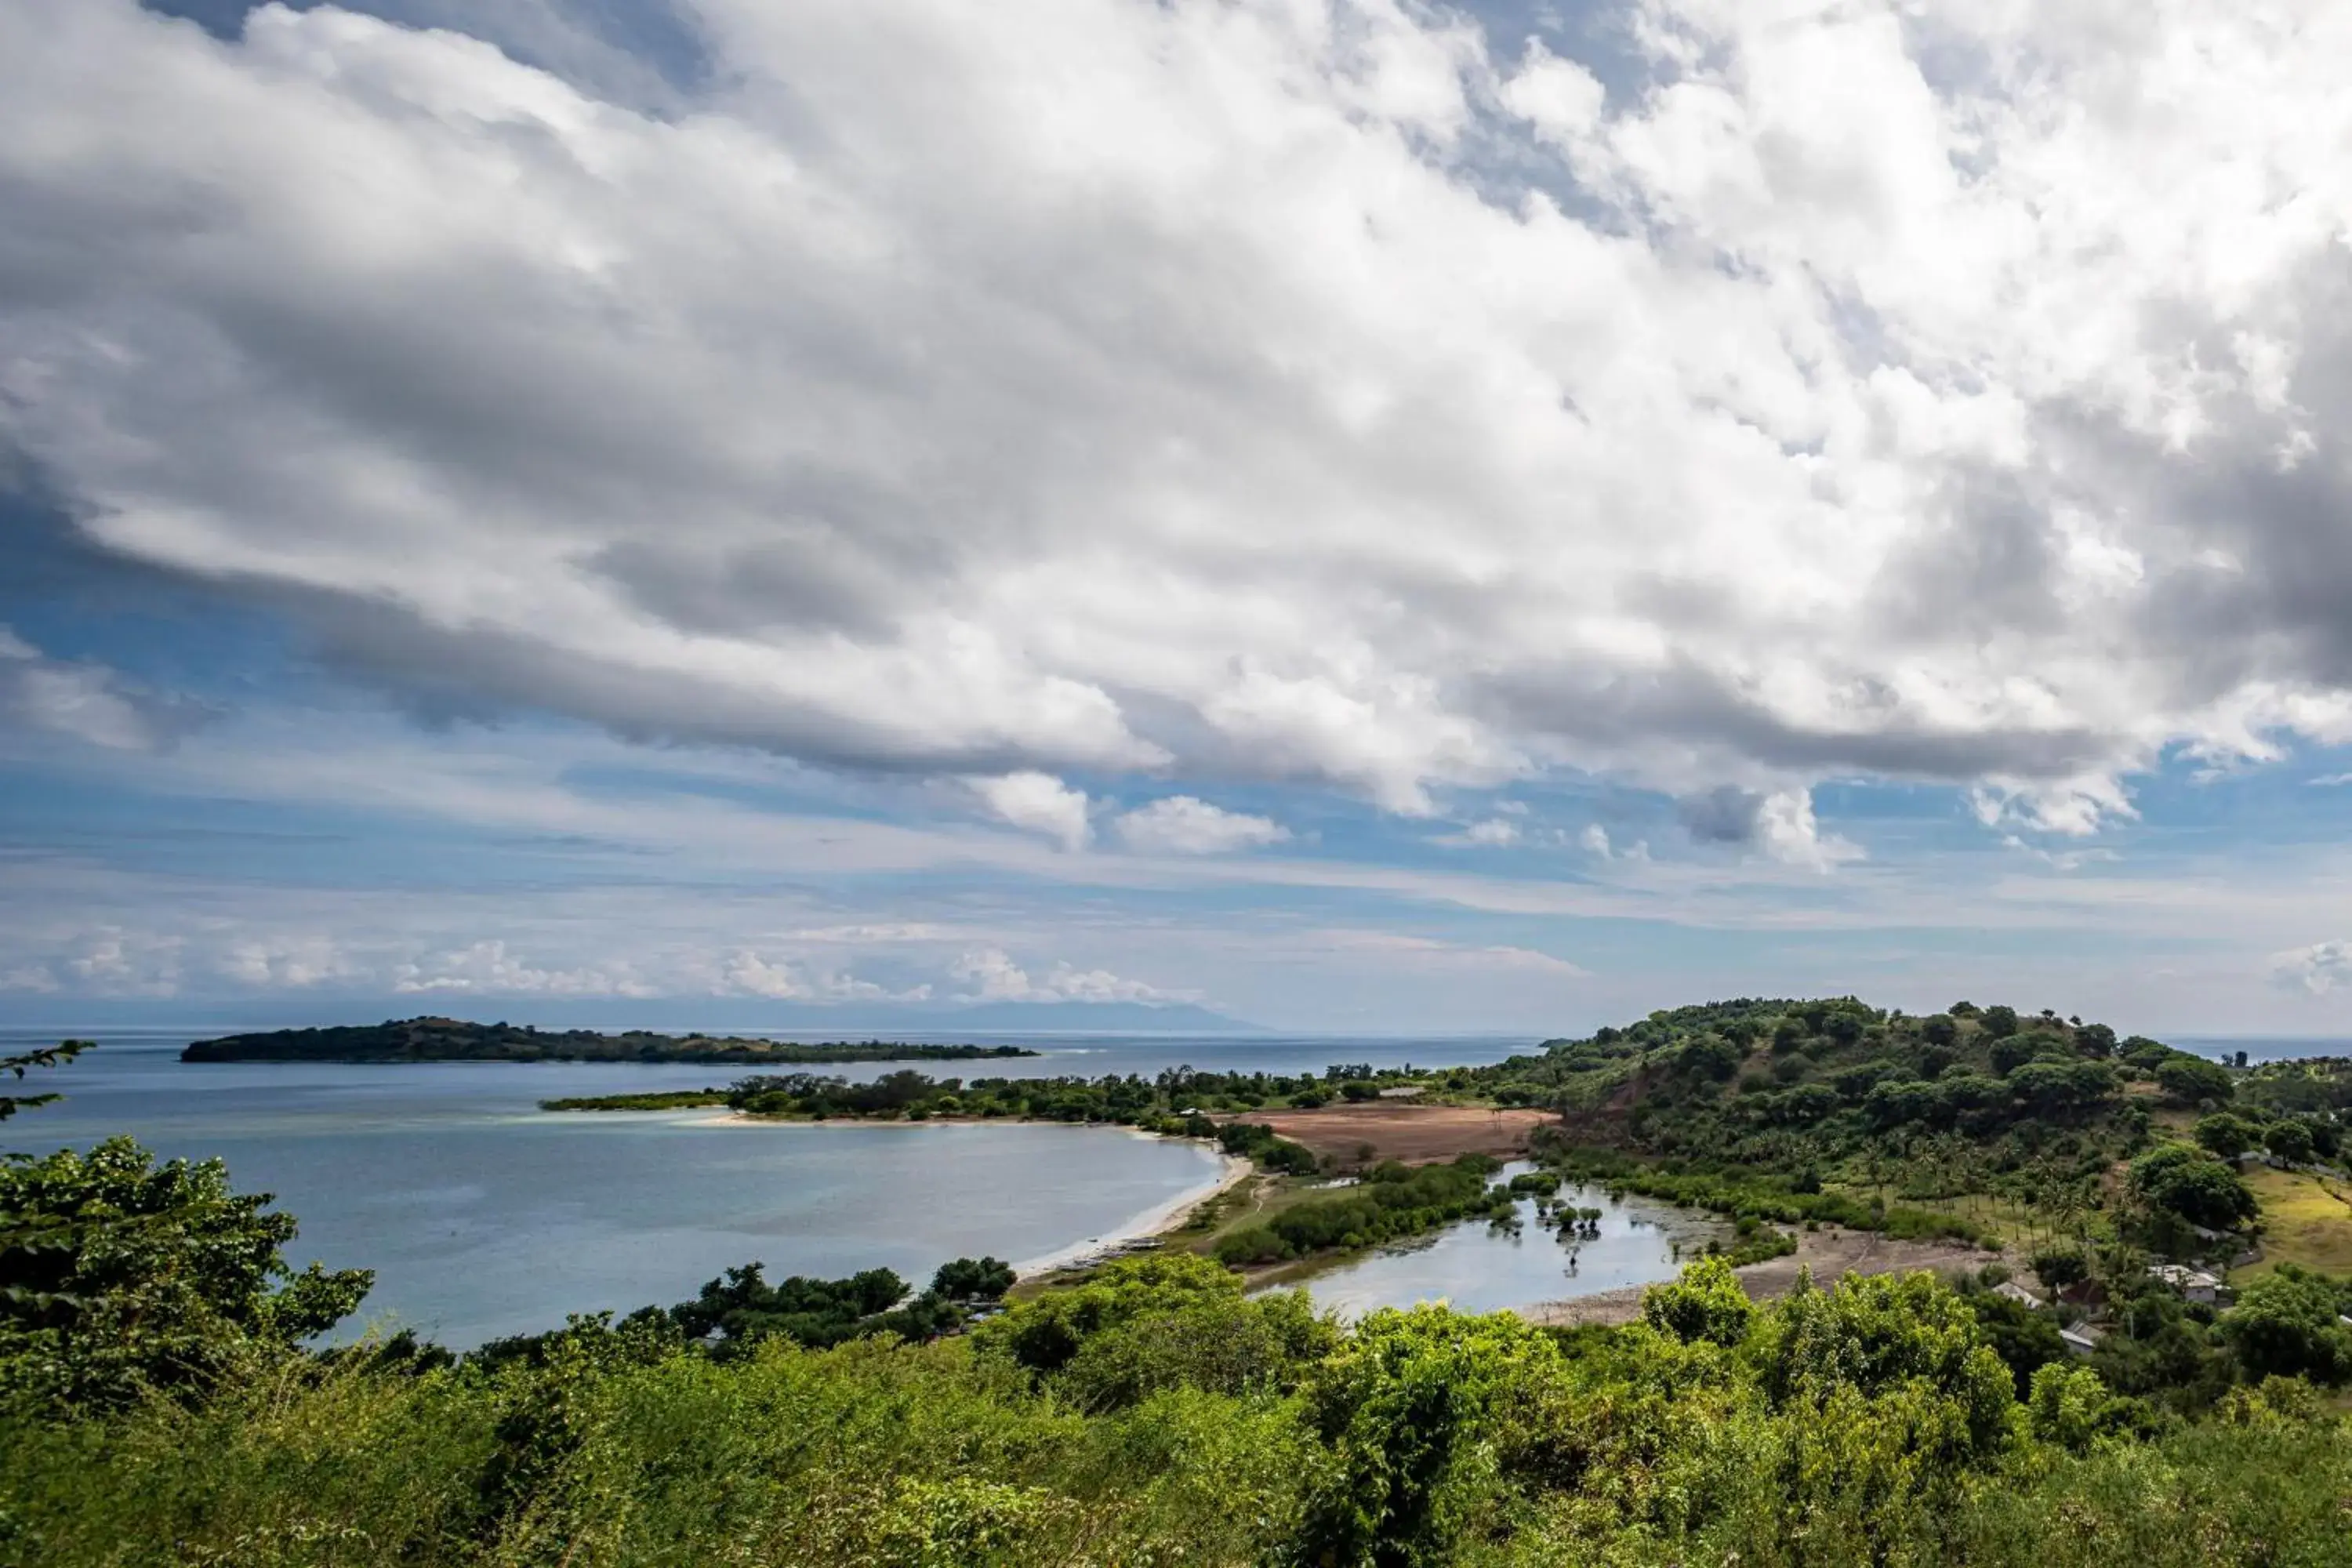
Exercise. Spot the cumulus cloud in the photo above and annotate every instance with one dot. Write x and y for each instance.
(87, 701)
(1257, 388)
(782, 980)
(487, 968)
(1038, 803)
(1787, 831)
(2317, 970)
(755, 976)
(1780, 825)
(287, 963)
(104, 961)
(1181, 825)
(991, 975)
(1596, 841)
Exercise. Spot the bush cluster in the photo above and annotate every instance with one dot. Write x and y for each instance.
(1392, 1200)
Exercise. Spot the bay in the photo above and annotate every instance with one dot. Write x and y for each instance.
(483, 1215)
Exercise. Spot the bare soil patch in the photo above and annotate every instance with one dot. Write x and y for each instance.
(1830, 1254)
(1416, 1134)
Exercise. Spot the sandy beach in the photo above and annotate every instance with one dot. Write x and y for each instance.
(1155, 1221)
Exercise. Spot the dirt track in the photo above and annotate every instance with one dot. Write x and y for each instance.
(1828, 1253)
(1417, 1134)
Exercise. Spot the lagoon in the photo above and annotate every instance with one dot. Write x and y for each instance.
(1478, 1269)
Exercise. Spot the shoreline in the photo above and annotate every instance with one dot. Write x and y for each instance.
(1156, 1221)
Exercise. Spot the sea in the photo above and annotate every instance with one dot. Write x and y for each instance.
(483, 1215)
(2263, 1047)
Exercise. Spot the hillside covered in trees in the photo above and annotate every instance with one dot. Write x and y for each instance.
(1994, 1118)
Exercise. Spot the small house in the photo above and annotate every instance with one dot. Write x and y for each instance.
(2193, 1284)
(2082, 1340)
(2019, 1294)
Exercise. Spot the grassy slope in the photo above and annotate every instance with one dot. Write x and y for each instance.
(2305, 1221)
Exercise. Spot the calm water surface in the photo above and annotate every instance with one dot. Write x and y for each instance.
(483, 1215)
(2264, 1048)
(1477, 1269)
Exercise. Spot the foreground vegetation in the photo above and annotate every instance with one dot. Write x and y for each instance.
(158, 1405)
(455, 1040)
(1153, 1413)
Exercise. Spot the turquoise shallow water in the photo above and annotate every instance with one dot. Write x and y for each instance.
(483, 1215)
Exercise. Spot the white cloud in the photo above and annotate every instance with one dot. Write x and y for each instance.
(2075, 807)
(287, 963)
(1180, 824)
(1490, 832)
(32, 977)
(2330, 780)
(1595, 838)
(1006, 391)
(782, 980)
(2060, 860)
(1428, 953)
(1038, 803)
(1560, 98)
(2318, 968)
(1786, 831)
(755, 976)
(991, 975)
(1782, 825)
(109, 959)
(86, 701)
(888, 931)
(487, 968)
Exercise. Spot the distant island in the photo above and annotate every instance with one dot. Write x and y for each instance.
(455, 1040)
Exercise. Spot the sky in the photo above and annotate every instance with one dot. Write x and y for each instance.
(1358, 515)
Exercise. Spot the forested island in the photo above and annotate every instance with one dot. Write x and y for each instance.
(2147, 1363)
(455, 1040)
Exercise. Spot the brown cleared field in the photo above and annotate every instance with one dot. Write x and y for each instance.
(1416, 1134)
